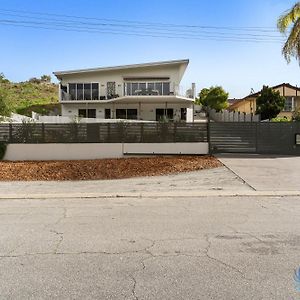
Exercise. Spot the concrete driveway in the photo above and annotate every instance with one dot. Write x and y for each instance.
(149, 248)
(265, 173)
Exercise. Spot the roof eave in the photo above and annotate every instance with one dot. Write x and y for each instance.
(133, 66)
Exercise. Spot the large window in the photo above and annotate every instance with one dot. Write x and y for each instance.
(87, 91)
(183, 112)
(289, 104)
(147, 88)
(73, 91)
(95, 91)
(107, 113)
(164, 114)
(129, 114)
(79, 91)
(84, 91)
(121, 113)
(87, 113)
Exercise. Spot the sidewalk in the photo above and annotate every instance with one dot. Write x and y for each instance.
(207, 183)
(213, 180)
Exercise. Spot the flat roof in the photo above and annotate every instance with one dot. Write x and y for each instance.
(101, 69)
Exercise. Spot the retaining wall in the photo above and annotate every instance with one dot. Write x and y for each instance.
(20, 152)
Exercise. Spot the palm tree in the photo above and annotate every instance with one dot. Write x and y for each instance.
(289, 24)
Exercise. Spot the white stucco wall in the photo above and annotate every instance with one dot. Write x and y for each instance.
(166, 148)
(34, 152)
(148, 111)
(174, 72)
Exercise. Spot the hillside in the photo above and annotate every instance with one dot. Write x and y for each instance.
(25, 97)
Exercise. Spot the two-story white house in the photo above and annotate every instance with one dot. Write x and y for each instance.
(149, 91)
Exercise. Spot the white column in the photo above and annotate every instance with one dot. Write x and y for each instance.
(140, 111)
(194, 90)
(59, 92)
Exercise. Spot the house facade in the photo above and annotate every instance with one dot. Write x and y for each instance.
(290, 92)
(149, 92)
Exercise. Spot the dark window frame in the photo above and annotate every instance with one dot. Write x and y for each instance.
(107, 113)
(87, 113)
(93, 89)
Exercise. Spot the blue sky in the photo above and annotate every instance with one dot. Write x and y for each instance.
(237, 66)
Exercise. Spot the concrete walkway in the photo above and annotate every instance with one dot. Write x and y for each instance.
(211, 181)
(242, 175)
(265, 173)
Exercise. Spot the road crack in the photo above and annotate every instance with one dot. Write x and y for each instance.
(133, 292)
(209, 256)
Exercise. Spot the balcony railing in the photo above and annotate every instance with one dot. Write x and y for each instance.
(68, 97)
(130, 89)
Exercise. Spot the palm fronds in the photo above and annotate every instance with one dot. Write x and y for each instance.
(289, 25)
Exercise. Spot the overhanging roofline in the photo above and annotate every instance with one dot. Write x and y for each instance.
(101, 69)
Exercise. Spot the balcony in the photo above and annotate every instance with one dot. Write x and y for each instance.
(157, 89)
(97, 92)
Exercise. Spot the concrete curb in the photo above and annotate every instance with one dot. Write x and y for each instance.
(185, 194)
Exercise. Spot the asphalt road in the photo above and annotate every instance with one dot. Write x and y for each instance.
(150, 248)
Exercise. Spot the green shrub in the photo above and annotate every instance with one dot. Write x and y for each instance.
(296, 115)
(281, 119)
(2, 150)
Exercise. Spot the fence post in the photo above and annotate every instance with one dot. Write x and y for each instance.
(239, 116)
(26, 135)
(99, 132)
(43, 133)
(123, 132)
(142, 133)
(208, 136)
(244, 116)
(174, 132)
(10, 133)
(256, 137)
(108, 132)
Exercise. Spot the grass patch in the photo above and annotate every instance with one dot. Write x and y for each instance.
(25, 97)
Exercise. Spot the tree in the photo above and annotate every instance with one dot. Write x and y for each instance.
(289, 24)
(296, 115)
(34, 80)
(3, 79)
(269, 104)
(46, 78)
(213, 98)
(4, 111)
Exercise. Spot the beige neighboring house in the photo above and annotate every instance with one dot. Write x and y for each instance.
(149, 91)
(290, 92)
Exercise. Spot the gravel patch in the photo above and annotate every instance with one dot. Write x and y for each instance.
(104, 168)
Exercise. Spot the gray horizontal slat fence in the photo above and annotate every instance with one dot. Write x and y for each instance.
(226, 137)
(4, 132)
(35, 133)
(260, 138)
(232, 137)
(278, 138)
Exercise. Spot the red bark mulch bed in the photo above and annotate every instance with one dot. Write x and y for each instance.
(104, 168)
